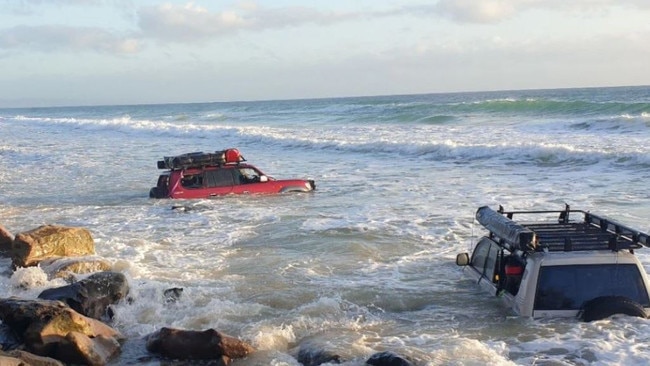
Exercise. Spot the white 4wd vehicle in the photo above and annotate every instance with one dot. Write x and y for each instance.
(560, 268)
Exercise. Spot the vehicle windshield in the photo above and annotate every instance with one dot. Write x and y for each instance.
(569, 287)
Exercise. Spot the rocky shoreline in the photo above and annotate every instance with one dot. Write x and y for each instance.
(71, 324)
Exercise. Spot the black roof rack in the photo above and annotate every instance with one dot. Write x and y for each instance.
(593, 232)
(200, 159)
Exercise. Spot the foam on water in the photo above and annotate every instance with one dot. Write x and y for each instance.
(365, 263)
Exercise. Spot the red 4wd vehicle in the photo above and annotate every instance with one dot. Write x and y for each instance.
(205, 175)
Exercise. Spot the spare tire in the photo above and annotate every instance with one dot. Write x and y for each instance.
(606, 306)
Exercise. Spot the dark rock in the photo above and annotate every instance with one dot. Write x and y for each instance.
(311, 357)
(387, 358)
(173, 294)
(93, 295)
(318, 348)
(196, 345)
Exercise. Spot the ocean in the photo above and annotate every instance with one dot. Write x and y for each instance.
(364, 264)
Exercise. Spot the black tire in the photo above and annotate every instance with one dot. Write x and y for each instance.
(154, 192)
(606, 306)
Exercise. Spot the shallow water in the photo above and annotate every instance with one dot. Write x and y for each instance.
(365, 263)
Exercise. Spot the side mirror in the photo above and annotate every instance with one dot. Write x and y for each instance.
(264, 178)
(462, 259)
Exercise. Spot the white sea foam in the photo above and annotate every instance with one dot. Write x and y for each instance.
(366, 262)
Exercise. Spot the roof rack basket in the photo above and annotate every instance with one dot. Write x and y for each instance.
(592, 233)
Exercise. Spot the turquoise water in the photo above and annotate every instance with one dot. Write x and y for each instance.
(365, 263)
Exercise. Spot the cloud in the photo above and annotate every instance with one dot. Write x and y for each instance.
(27, 7)
(485, 11)
(192, 22)
(494, 11)
(55, 38)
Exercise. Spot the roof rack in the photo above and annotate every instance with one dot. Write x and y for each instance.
(592, 233)
(200, 159)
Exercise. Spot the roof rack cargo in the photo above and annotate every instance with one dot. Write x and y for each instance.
(593, 232)
(201, 159)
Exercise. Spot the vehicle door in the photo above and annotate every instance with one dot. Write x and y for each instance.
(217, 182)
(484, 262)
(248, 180)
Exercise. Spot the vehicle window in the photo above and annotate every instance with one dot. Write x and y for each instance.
(248, 175)
(480, 255)
(568, 287)
(218, 178)
(484, 257)
(491, 262)
(192, 181)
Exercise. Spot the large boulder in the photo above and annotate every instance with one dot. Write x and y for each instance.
(47, 241)
(196, 345)
(93, 295)
(78, 349)
(67, 267)
(52, 329)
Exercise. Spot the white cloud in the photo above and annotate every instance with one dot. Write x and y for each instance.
(191, 22)
(483, 11)
(183, 23)
(56, 38)
(493, 11)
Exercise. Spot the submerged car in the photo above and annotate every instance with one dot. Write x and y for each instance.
(559, 267)
(205, 175)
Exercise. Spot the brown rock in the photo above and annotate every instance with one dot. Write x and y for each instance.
(45, 324)
(31, 247)
(11, 361)
(197, 345)
(32, 359)
(6, 239)
(78, 348)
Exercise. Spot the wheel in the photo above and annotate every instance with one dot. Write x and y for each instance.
(154, 192)
(606, 306)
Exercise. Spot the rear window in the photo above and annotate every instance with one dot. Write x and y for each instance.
(568, 287)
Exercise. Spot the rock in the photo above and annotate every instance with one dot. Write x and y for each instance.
(67, 267)
(44, 326)
(317, 349)
(196, 345)
(172, 295)
(78, 348)
(11, 361)
(31, 247)
(32, 359)
(6, 240)
(312, 357)
(8, 339)
(93, 295)
(387, 358)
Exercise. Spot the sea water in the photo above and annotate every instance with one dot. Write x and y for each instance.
(364, 264)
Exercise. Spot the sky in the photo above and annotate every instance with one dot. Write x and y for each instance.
(106, 52)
